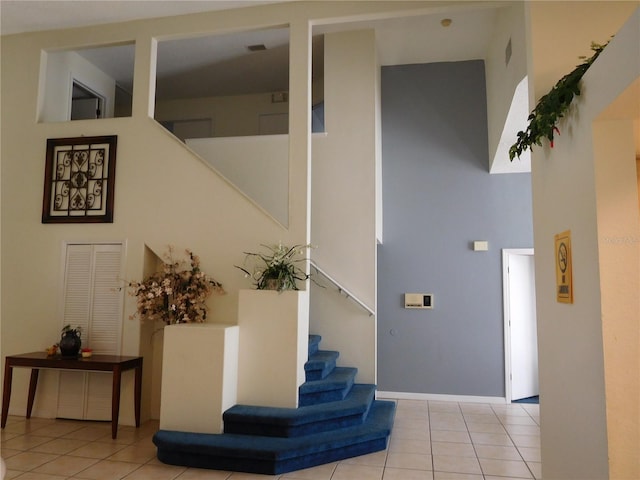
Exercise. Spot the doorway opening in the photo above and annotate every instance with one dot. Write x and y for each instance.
(520, 326)
(85, 103)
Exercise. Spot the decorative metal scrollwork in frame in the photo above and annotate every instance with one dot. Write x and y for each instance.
(79, 180)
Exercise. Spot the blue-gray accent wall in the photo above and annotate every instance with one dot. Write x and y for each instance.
(438, 197)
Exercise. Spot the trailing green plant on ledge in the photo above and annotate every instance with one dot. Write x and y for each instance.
(551, 107)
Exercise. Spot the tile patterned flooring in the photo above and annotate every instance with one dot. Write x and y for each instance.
(430, 441)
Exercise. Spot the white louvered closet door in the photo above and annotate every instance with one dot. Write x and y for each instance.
(93, 299)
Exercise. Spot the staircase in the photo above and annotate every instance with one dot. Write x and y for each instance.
(336, 419)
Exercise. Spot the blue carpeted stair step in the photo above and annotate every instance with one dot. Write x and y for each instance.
(336, 419)
(320, 364)
(273, 456)
(314, 343)
(295, 422)
(333, 387)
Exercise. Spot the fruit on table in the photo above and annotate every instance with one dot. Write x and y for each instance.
(53, 349)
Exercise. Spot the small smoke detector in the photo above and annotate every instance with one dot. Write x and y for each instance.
(256, 48)
(445, 22)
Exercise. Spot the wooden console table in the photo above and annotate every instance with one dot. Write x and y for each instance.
(96, 363)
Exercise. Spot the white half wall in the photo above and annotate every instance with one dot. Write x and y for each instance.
(274, 345)
(257, 165)
(200, 376)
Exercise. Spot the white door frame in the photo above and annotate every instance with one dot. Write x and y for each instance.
(507, 315)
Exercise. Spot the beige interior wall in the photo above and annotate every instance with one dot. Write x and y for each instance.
(615, 120)
(235, 115)
(502, 78)
(151, 342)
(344, 221)
(163, 194)
(563, 30)
(583, 419)
(638, 177)
(619, 250)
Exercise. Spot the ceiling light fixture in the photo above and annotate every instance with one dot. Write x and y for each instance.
(445, 22)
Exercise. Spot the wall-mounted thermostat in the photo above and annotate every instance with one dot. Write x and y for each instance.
(418, 300)
(480, 245)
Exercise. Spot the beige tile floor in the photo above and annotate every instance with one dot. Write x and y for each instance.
(430, 441)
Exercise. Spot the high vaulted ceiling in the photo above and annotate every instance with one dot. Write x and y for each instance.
(19, 16)
(416, 39)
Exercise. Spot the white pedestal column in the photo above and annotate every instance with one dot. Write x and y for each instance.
(199, 376)
(274, 340)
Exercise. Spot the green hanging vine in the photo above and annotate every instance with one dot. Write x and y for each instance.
(551, 107)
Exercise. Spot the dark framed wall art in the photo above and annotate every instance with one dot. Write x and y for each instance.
(79, 180)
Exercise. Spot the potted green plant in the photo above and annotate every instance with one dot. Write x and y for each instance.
(277, 268)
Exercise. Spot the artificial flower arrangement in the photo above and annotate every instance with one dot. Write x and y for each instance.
(278, 268)
(177, 293)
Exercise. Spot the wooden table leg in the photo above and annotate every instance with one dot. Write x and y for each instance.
(33, 383)
(138, 392)
(6, 392)
(115, 400)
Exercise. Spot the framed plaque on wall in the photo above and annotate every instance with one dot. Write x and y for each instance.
(564, 273)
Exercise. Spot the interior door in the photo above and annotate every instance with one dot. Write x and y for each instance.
(522, 326)
(93, 300)
(85, 108)
(85, 103)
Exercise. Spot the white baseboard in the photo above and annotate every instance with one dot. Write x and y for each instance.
(440, 398)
